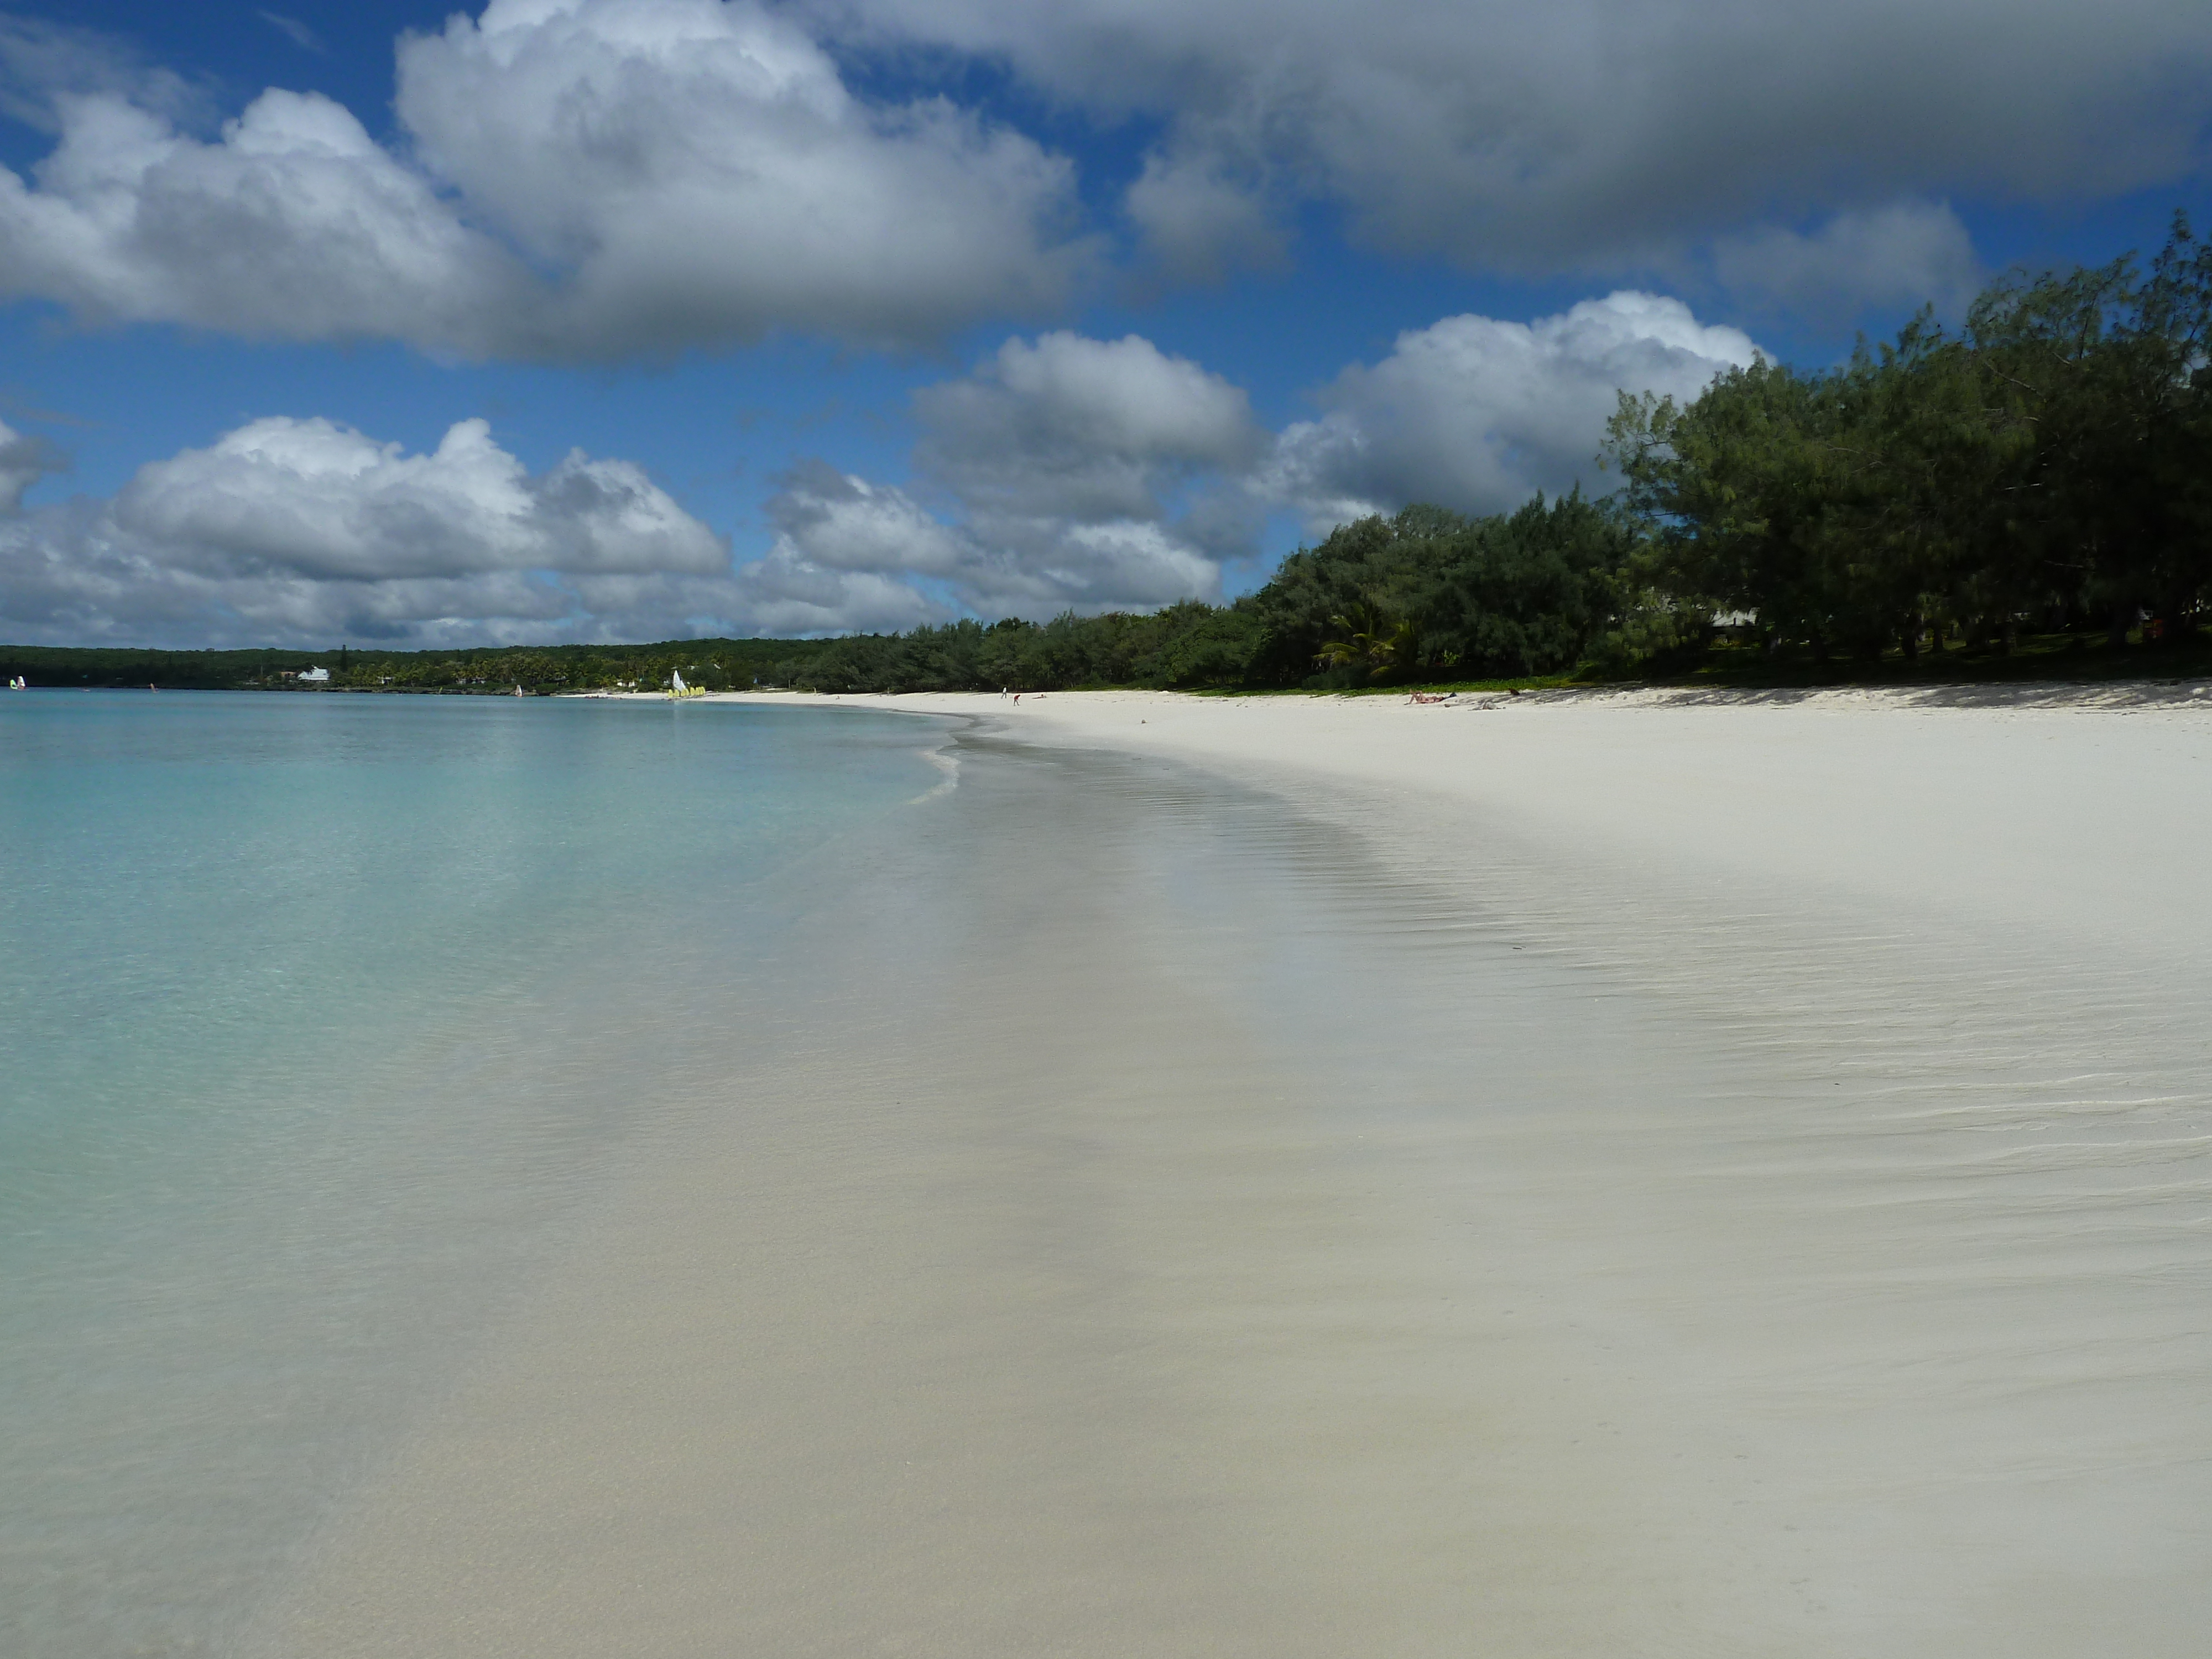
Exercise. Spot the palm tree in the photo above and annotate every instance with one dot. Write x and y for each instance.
(1373, 640)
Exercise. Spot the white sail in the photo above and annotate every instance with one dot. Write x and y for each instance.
(675, 680)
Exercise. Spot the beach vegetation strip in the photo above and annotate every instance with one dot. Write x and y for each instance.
(2028, 495)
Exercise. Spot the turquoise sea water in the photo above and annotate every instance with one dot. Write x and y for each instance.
(511, 1178)
(317, 1015)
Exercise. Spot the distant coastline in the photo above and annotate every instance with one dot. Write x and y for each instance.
(2045, 660)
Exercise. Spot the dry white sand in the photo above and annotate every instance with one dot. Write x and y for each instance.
(2085, 808)
(1756, 1199)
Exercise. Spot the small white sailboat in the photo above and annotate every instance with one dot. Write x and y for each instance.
(678, 689)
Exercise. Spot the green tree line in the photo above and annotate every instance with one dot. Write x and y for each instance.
(2040, 477)
(1423, 595)
(2037, 481)
(719, 663)
(2047, 467)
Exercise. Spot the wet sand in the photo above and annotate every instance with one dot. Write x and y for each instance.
(1298, 1176)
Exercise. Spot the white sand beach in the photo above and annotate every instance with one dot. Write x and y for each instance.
(1589, 1176)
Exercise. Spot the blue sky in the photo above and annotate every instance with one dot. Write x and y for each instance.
(571, 319)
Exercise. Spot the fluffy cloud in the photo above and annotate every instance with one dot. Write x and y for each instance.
(789, 594)
(1200, 222)
(294, 224)
(1904, 253)
(1070, 427)
(1475, 413)
(321, 501)
(1069, 472)
(1061, 473)
(582, 179)
(1598, 132)
(703, 173)
(846, 556)
(840, 522)
(23, 461)
(307, 531)
(41, 61)
(589, 179)
(1069, 464)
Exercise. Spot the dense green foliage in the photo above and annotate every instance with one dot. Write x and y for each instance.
(2048, 464)
(1383, 600)
(718, 664)
(1431, 595)
(215, 670)
(2046, 469)
(1188, 644)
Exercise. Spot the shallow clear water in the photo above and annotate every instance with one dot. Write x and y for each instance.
(538, 1179)
(317, 1015)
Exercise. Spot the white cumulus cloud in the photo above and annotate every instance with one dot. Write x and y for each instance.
(591, 180)
(846, 556)
(322, 500)
(1597, 134)
(304, 530)
(1061, 472)
(23, 461)
(1902, 253)
(292, 224)
(1200, 220)
(1476, 414)
(579, 179)
(1068, 465)
(789, 594)
(41, 61)
(1067, 426)
(1069, 472)
(701, 173)
(842, 522)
